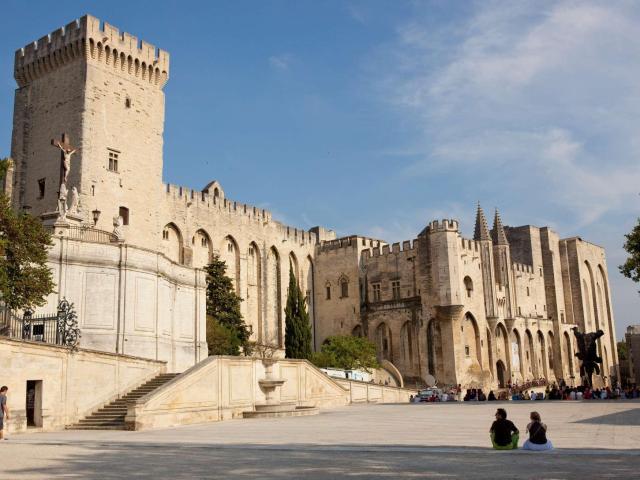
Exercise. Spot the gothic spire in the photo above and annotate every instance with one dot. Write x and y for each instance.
(497, 234)
(482, 229)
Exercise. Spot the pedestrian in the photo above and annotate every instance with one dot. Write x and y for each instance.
(504, 434)
(4, 410)
(537, 440)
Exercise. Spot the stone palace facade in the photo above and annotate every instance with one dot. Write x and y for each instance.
(129, 249)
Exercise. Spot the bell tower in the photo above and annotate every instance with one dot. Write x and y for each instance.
(103, 90)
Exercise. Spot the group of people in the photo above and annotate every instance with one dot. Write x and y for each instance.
(577, 393)
(505, 435)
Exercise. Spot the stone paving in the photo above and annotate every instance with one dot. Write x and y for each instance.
(593, 439)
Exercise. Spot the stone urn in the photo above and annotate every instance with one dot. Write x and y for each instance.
(273, 407)
(270, 385)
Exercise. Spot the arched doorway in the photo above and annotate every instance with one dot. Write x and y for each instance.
(501, 372)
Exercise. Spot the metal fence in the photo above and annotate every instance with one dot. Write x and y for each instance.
(37, 328)
(89, 234)
(60, 328)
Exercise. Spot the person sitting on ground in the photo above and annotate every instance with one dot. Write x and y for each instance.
(537, 440)
(504, 434)
(481, 396)
(533, 395)
(492, 396)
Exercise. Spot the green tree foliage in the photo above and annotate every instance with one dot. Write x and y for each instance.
(347, 352)
(631, 268)
(25, 278)
(297, 338)
(622, 350)
(5, 163)
(227, 334)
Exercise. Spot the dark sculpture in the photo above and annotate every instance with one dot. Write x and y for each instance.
(588, 355)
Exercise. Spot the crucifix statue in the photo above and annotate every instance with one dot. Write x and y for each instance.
(65, 156)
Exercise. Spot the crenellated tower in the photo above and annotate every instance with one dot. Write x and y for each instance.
(482, 236)
(103, 89)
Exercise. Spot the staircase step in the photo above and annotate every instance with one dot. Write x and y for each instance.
(111, 416)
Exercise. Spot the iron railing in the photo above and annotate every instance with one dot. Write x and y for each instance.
(59, 328)
(89, 234)
(38, 328)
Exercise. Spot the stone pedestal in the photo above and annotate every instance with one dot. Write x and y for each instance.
(273, 407)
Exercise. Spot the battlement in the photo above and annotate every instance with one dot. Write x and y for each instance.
(469, 245)
(216, 204)
(91, 39)
(348, 243)
(522, 268)
(446, 225)
(408, 247)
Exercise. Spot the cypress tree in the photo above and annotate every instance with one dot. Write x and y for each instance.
(297, 338)
(226, 330)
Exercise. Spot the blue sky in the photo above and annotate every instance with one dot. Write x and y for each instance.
(375, 117)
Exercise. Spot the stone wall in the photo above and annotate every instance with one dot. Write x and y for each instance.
(221, 388)
(130, 300)
(73, 383)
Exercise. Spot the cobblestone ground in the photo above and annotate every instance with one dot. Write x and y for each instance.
(593, 439)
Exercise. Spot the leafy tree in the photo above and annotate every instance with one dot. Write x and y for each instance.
(221, 339)
(347, 352)
(227, 333)
(631, 268)
(297, 338)
(623, 350)
(25, 278)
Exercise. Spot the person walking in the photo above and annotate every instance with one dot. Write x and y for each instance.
(504, 434)
(4, 410)
(537, 440)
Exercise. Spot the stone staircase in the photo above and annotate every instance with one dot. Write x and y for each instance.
(111, 416)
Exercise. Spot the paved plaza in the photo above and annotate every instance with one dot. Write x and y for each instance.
(593, 439)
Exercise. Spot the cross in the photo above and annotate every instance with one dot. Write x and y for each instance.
(66, 150)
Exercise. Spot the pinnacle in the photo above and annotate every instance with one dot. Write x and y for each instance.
(482, 229)
(497, 234)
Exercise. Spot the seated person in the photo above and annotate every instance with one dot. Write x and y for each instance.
(504, 434)
(537, 440)
(492, 396)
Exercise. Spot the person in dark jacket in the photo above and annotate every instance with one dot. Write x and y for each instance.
(504, 434)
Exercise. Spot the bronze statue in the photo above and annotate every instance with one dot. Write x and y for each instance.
(588, 355)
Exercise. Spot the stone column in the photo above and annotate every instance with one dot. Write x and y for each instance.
(449, 317)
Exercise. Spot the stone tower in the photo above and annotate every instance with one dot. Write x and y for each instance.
(103, 89)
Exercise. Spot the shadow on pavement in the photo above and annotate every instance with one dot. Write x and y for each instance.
(628, 417)
(191, 461)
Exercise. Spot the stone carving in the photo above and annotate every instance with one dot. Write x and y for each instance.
(67, 150)
(74, 203)
(588, 354)
(62, 201)
(117, 224)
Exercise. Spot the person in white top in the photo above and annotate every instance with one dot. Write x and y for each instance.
(578, 395)
(572, 395)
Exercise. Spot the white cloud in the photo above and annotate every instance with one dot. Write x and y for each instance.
(281, 61)
(534, 102)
